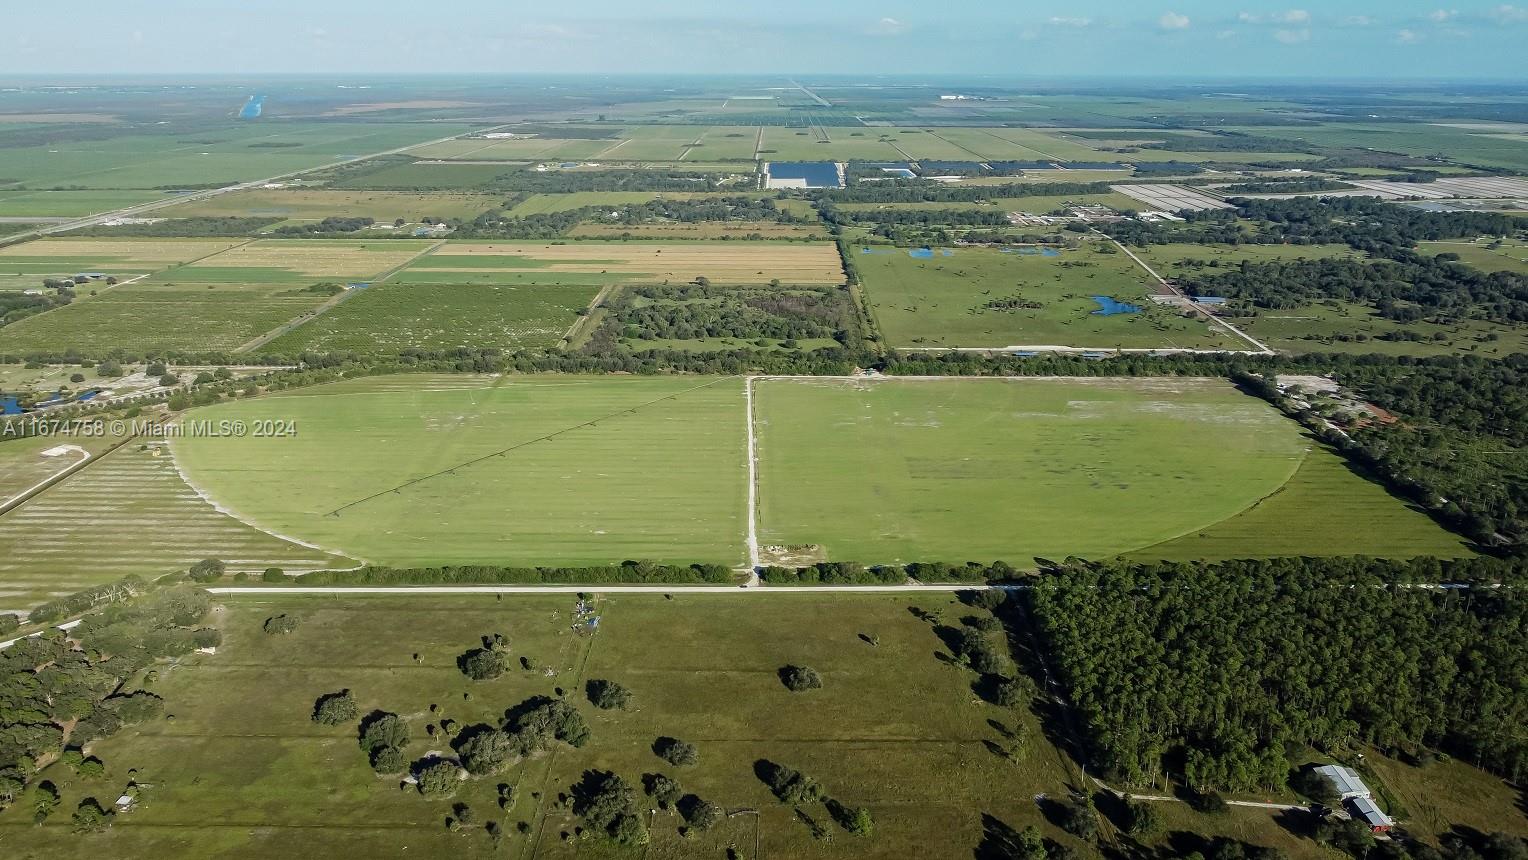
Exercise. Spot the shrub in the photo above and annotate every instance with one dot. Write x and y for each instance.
(676, 752)
(437, 778)
(331, 709)
(608, 695)
(273, 574)
(662, 789)
(9, 622)
(207, 570)
(800, 678)
(702, 815)
(278, 625)
(855, 819)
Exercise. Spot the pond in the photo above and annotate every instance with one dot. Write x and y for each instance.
(1108, 307)
(252, 108)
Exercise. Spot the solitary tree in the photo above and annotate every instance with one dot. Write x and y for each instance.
(332, 709)
(607, 695)
(676, 752)
(437, 778)
(800, 678)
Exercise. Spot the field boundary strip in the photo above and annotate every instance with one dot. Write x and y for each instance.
(518, 445)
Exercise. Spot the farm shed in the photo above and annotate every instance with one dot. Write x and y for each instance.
(1372, 815)
(1345, 780)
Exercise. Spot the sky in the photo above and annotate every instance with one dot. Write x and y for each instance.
(1203, 39)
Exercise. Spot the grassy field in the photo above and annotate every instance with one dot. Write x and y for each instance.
(638, 468)
(947, 301)
(963, 470)
(128, 513)
(700, 230)
(1512, 256)
(1325, 508)
(242, 770)
(1411, 138)
(53, 204)
(312, 204)
(277, 261)
(157, 314)
(388, 318)
(1168, 259)
(228, 154)
(815, 263)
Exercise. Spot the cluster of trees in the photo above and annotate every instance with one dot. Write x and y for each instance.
(607, 695)
(1408, 289)
(924, 191)
(850, 572)
(182, 227)
(1217, 667)
(699, 815)
(328, 226)
(61, 691)
(16, 306)
(1285, 186)
(692, 311)
(794, 788)
(488, 662)
(611, 807)
(689, 211)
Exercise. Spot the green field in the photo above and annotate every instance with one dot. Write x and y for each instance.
(1346, 327)
(641, 468)
(312, 204)
(944, 301)
(130, 512)
(231, 153)
(1512, 256)
(242, 770)
(899, 471)
(51, 204)
(389, 318)
(1168, 259)
(1324, 509)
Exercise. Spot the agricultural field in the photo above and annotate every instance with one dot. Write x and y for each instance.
(232, 153)
(1015, 469)
(636, 261)
(1167, 260)
(970, 297)
(109, 256)
(1334, 326)
(389, 318)
(1467, 146)
(59, 204)
(220, 301)
(129, 512)
(594, 470)
(313, 204)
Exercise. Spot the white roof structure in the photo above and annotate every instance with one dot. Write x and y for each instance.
(1371, 814)
(1345, 780)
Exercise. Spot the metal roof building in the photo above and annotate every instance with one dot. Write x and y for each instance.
(1345, 780)
(1371, 814)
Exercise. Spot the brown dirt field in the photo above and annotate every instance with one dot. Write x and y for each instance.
(795, 263)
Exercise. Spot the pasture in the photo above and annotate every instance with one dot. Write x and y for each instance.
(130, 512)
(607, 468)
(242, 769)
(899, 471)
(1334, 326)
(286, 261)
(1508, 256)
(56, 204)
(389, 318)
(803, 263)
(988, 298)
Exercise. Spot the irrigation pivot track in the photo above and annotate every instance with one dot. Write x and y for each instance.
(450, 470)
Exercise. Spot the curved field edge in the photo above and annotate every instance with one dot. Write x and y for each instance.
(1328, 507)
(130, 512)
(418, 471)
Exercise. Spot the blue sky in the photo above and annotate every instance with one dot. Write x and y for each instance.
(1061, 38)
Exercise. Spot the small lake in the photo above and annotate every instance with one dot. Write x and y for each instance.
(9, 405)
(252, 108)
(1108, 307)
(928, 253)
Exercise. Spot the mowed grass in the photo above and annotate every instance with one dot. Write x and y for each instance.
(625, 468)
(1325, 509)
(390, 317)
(242, 770)
(946, 301)
(130, 512)
(901, 470)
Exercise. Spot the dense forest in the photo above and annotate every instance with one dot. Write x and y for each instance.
(1221, 674)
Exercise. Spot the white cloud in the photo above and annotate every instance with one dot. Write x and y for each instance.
(1407, 37)
(1289, 16)
(1442, 15)
(1508, 14)
(1173, 21)
(1226, 34)
(1358, 21)
(887, 27)
(1061, 21)
(1292, 37)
